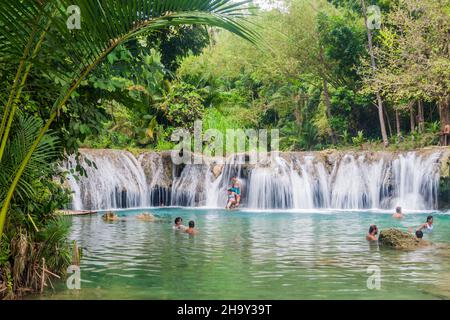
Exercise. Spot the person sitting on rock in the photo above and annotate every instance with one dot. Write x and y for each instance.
(236, 187)
(398, 213)
(191, 229)
(372, 235)
(231, 202)
(178, 225)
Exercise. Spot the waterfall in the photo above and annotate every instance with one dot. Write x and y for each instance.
(188, 188)
(118, 179)
(114, 179)
(416, 181)
(216, 195)
(157, 177)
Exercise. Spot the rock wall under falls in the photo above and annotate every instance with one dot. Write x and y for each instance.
(291, 180)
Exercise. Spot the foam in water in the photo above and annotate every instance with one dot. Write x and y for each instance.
(296, 181)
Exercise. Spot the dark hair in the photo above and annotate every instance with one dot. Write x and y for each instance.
(419, 234)
(178, 219)
(191, 224)
(429, 218)
(398, 209)
(372, 228)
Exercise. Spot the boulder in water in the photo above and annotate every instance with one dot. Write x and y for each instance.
(398, 239)
(110, 216)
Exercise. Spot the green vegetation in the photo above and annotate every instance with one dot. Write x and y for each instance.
(66, 85)
(131, 75)
(313, 80)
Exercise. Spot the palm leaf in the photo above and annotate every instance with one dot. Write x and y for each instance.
(105, 25)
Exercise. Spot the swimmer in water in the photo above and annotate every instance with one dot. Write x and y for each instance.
(178, 225)
(372, 235)
(398, 213)
(427, 227)
(191, 229)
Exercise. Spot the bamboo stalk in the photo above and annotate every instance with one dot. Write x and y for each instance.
(53, 274)
(43, 275)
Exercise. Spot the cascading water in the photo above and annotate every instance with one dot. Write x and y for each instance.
(188, 188)
(416, 181)
(216, 187)
(291, 180)
(158, 179)
(115, 181)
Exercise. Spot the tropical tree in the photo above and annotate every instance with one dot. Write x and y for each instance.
(414, 58)
(82, 33)
(374, 68)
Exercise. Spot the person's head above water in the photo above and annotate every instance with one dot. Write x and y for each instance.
(430, 219)
(373, 229)
(178, 220)
(398, 209)
(191, 224)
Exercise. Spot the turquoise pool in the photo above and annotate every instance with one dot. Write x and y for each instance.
(254, 255)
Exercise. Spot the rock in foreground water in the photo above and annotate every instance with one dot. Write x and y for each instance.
(398, 239)
(110, 216)
(146, 217)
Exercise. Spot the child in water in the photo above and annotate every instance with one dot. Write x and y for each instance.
(191, 229)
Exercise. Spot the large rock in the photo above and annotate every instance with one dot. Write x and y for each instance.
(398, 239)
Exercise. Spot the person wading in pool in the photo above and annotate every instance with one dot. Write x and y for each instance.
(178, 225)
(427, 227)
(372, 235)
(398, 213)
(191, 229)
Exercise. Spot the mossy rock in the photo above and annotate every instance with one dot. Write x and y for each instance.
(398, 239)
(110, 216)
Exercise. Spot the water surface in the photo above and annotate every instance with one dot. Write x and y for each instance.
(254, 255)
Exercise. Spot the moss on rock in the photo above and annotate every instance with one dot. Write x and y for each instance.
(398, 239)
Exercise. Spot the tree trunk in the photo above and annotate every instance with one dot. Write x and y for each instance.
(328, 105)
(445, 125)
(372, 61)
(397, 125)
(411, 117)
(386, 114)
(420, 116)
